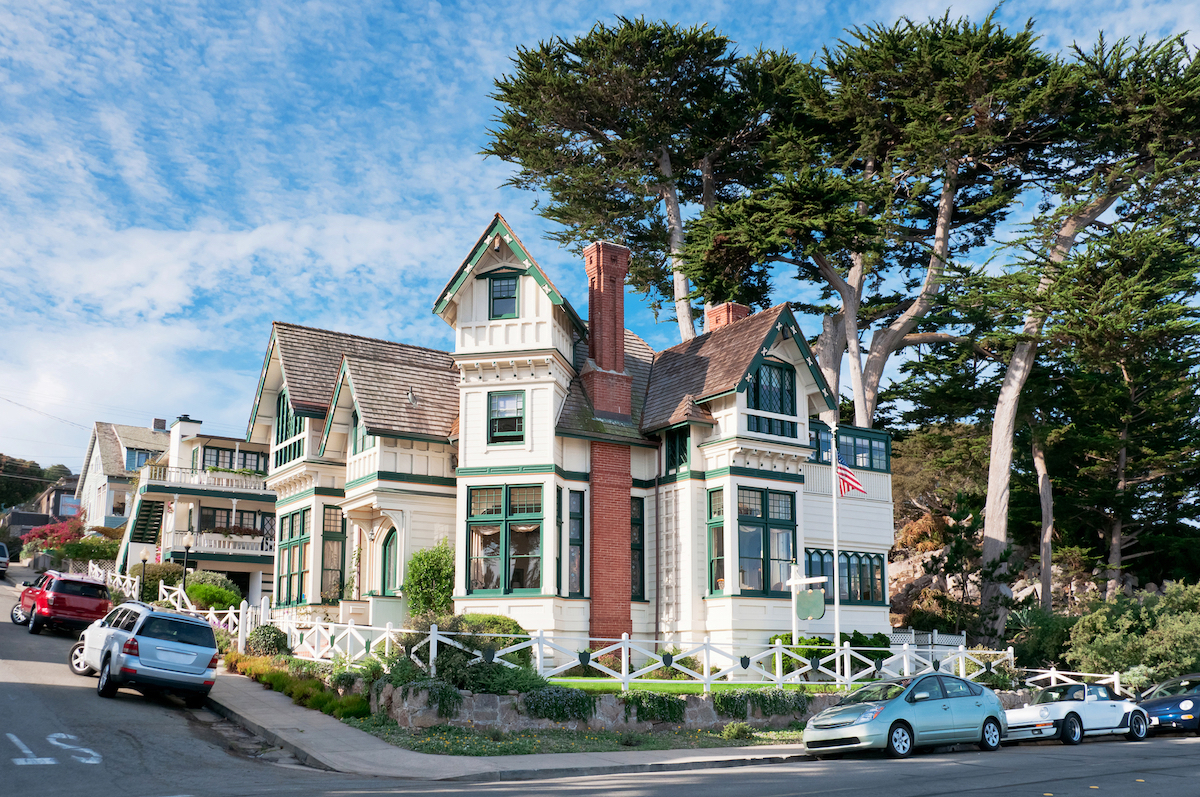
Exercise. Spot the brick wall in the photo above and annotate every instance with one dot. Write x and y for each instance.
(724, 315)
(606, 382)
(611, 485)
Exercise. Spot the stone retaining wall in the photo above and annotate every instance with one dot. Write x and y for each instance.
(508, 713)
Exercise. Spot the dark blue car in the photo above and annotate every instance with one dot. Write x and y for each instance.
(1174, 704)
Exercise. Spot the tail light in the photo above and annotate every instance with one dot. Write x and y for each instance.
(131, 647)
(213, 661)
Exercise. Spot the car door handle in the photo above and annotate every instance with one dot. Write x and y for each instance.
(945, 707)
(978, 703)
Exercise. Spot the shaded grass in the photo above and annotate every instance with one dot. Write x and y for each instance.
(446, 740)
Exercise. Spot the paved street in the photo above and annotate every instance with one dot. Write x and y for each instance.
(59, 738)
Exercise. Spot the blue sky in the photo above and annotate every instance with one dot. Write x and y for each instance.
(173, 177)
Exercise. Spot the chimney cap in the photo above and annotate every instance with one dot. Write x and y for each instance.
(160, 424)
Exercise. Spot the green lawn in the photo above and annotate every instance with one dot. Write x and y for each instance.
(446, 740)
(604, 686)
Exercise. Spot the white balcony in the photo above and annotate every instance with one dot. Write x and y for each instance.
(213, 479)
(216, 543)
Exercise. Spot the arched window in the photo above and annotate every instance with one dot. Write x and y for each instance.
(391, 563)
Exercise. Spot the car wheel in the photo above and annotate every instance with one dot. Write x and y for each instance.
(106, 687)
(75, 659)
(990, 740)
(1137, 727)
(899, 741)
(35, 625)
(17, 615)
(195, 700)
(1072, 730)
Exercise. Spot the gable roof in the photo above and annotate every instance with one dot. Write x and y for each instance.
(715, 363)
(381, 389)
(578, 418)
(108, 438)
(500, 227)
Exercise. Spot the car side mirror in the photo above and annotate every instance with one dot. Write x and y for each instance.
(26, 584)
(1026, 705)
(919, 696)
(1089, 698)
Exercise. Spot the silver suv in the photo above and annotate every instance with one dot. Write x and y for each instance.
(3, 561)
(148, 649)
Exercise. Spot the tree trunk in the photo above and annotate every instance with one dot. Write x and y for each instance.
(1116, 541)
(891, 338)
(828, 349)
(1045, 491)
(1004, 422)
(683, 303)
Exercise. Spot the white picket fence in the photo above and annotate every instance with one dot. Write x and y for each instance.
(706, 662)
(1040, 679)
(128, 585)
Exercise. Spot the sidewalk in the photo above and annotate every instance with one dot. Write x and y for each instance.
(321, 741)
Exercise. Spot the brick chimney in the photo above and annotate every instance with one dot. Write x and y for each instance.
(723, 315)
(610, 389)
(604, 377)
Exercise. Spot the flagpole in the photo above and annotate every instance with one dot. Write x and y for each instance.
(837, 564)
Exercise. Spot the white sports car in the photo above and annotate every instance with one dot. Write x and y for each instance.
(1069, 712)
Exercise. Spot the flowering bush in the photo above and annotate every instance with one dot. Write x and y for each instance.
(55, 535)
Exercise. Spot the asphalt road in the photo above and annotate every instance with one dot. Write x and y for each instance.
(58, 738)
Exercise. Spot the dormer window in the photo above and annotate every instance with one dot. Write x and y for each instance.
(503, 297)
(506, 417)
(360, 440)
(773, 390)
(135, 458)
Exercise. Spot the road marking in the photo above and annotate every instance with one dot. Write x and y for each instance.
(30, 759)
(92, 756)
(1139, 780)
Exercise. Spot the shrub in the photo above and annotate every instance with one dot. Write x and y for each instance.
(215, 579)
(737, 730)
(267, 640)
(90, 548)
(305, 668)
(653, 706)
(224, 641)
(323, 701)
(453, 663)
(1162, 633)
(429, 585)
(168, 573)
(209, 596)
(498, 679)
(300, 690)
(254, 666)
(1039, 638)
(560, 704)
(355, 706)
(402, 670)
(770, 702)
(278, 680)
(672, 674)
(610, 660)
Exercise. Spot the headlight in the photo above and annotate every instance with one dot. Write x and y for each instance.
(1185, 705)
(868, 715)
(1044, 713)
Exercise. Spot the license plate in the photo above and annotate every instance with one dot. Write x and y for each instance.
(175, 657)
(1154, 720)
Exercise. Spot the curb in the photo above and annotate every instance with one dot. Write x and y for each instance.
(623, 769)
(305, 757)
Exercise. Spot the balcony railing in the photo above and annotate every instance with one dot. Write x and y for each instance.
(203, 478)
(212, 542)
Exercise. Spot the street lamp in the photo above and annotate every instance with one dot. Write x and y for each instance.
(188, 542)
(142, 585)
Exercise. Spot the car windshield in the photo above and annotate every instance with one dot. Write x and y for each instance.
(1057, 694)
(178, 631)
(3, 551)
(875, 693)
(83, 589)
(1179, 686)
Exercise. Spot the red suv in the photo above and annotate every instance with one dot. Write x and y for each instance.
(61, 600)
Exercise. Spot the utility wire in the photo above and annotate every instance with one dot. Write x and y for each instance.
(48, 415)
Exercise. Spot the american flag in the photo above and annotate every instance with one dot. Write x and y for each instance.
(847, 481)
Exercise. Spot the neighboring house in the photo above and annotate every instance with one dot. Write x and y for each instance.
(115, 454)
(589, 486)
(58, 500)
(212, 490)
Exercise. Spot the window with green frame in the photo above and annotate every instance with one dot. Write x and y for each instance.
(861, 576)
(574, 544)
(716, 541)
(677, 449)
(333, 554)
(506, 417)
(360, 440)
(773, 389)
(861, 448)
(504, 539)
(503, 297)
(288, 425)
(390, 580)
(637, 549)
(291, 558)
(766, 540)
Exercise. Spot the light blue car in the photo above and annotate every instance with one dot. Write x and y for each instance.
(901, 715)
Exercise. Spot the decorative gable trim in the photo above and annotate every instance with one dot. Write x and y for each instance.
(262, 380)
(787, 321)
(500, 227)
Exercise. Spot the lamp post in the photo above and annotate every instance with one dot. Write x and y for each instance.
(142, 585)
(188, 542)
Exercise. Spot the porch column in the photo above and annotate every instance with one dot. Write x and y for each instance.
(255, 587)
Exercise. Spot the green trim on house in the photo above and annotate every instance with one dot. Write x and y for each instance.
(572, 475)
(392, 476)
(504, 470)
(643, 484)
(262, 379)
(676, 477)
(332, 492)
(267, 557)
(788, 321)
(715, 442)
(170, 489)
(755, 473)
(599, 438)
